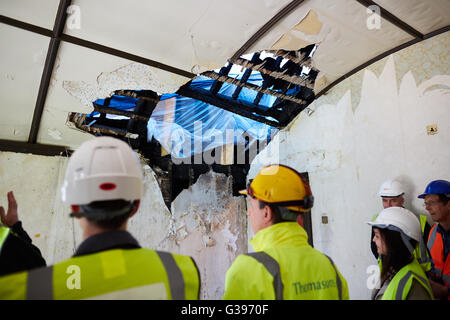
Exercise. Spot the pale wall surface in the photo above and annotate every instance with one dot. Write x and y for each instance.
(369, 128)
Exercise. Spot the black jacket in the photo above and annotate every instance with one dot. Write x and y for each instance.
(18, 253)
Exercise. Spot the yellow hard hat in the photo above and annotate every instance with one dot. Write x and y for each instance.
(281, 185)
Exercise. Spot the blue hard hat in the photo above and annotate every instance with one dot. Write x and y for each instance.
(437, 187)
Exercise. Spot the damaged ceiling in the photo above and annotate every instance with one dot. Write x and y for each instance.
(58, 57)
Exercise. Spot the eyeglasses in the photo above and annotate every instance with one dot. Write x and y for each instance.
(430, 203)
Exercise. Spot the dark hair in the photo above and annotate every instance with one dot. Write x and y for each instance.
(279, 213)
(108, 206)
(397, 255)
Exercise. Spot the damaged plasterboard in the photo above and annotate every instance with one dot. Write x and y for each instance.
(134, 76)
(210, 225)
(302, 34)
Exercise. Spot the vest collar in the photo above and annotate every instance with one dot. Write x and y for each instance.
(117, 239)
(283, 234)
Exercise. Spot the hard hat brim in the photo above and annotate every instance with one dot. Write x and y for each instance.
(244, 192)
(422, 196)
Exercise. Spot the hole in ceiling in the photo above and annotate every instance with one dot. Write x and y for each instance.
(218, 121)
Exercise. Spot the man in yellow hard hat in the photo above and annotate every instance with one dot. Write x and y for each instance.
(284, 265)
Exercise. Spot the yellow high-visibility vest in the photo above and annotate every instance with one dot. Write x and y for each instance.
(400, 285)
(112, 274)
(287, 267)
(4, 233)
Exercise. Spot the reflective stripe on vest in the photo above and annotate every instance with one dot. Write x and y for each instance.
(274, 269)
(176, 281)
(338, 279)
(400, 285)
(401, 294)
(423, 255)
(40, 284)
(436, 246)
(432, 238)
(4, 232)
(117, 274)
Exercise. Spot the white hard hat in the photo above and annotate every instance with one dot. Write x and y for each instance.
(398, 219)
(101, 169)
(391, 188)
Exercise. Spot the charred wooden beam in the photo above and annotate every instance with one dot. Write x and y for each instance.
(218, 84)
(246, 75)
(306, 82)
(116, 111)
(244, 109)
(213, 75)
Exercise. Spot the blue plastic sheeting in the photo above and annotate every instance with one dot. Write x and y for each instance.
(185, 126)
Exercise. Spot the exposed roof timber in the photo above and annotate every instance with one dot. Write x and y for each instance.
(213, 75)
(116, 111)
(279, 75)
(95, 46)
(77, 119)
(52, 52)
(266, 27)
(226, 104)
(393, 19)
(381, 56)
(39, 149)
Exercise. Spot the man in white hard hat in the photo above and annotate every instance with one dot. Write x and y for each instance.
(103, 186)
(392, 195)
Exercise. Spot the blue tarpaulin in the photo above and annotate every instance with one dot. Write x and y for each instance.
(185, 126)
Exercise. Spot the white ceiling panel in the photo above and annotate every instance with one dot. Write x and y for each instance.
(38, 12)
(341, 32)
(80, 76)
(193, 36)
(424, 16)
(22, 61)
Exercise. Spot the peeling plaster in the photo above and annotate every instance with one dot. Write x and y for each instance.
(209, 224)
(134, 76)
(416, 59)
(302, 34)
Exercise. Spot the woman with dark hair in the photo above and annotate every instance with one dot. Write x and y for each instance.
(397, 232)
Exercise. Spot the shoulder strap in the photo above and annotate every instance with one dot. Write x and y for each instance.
(338, 279)
(4, 232)
(399, 295)
(273, 268)
(40, 284)
(432, 237)
(174, 274)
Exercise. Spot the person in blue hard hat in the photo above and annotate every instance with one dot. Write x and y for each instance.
(436, 200)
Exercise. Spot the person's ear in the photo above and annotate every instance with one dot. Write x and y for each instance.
(136, 207)
(268, 213)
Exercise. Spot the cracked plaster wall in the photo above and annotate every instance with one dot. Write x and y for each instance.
(350, 147)
(206, 222)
